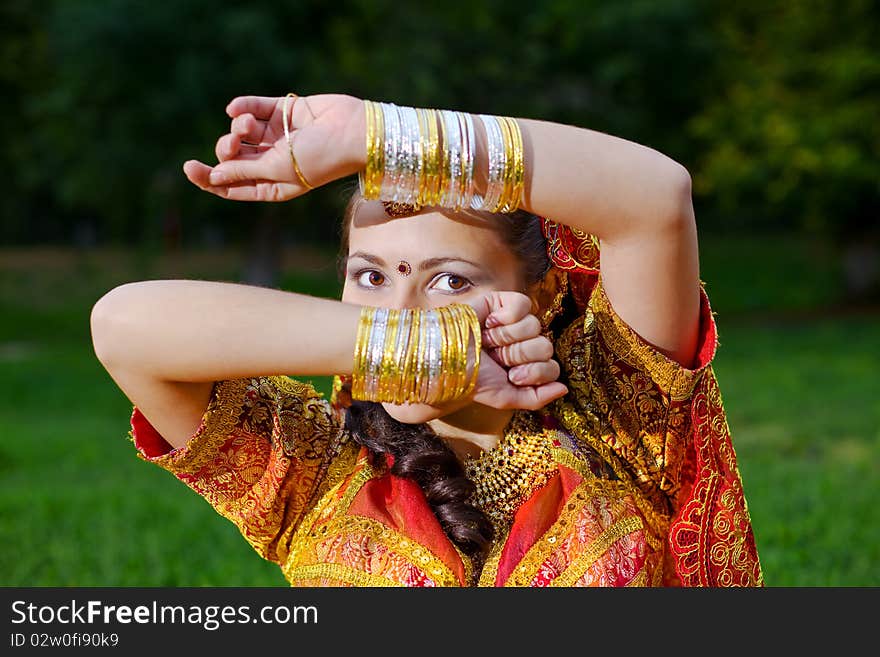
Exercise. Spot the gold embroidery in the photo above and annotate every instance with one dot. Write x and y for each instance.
(528, 567)
(596, 549)
(339, 524)
(327, 508)
(557, 284)
(490, 568)
(342, 464)
(544, 547)
(362, 476)
(584, 430)
(641, 578)
(569, 460)
(468, 563)
(711, 538)
(675, 379)
(618, 405)
(657, 579)
(218, 421)
(340, 573)
(416, 554)
(657, 520)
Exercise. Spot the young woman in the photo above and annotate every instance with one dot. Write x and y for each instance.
(504, 413)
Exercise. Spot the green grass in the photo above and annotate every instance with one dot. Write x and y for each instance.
(78, 508)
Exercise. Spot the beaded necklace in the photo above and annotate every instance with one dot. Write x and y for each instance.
(508, 474)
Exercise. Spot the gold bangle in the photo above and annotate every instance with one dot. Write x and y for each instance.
(460, 321)
(436, 157)
(445, 349)
(374, 171)
(359, 368)
(474, 325)
(409, 375)
(514, 199)
(504, 203)
(388, 364)
(424, 140)
(287, 135)
(391, 358)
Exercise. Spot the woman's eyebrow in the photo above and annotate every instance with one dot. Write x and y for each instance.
(430, 263)
(423, 266)
(369, 258)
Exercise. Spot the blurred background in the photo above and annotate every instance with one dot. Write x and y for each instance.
(772, 106)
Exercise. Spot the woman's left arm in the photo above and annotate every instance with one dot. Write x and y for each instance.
(637, 201)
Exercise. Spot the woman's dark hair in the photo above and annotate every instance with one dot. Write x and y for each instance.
(418, 452)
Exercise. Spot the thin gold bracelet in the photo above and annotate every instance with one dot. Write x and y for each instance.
(287, 135)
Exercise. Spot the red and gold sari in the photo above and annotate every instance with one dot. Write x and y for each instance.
(638, 483)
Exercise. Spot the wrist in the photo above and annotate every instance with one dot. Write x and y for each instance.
(355, 139)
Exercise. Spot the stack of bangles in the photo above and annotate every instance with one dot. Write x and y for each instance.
(412, 355)
(420, 157)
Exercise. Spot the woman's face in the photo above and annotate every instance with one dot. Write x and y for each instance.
(424, 261)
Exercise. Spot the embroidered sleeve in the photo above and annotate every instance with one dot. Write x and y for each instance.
(263, 452)
(627, 399)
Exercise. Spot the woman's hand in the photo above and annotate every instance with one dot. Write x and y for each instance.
(254, 163)
(520, 371)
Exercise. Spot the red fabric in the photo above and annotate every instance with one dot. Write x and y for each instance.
(705, 536)
(146, 438)
(534, 518)
(400, 504)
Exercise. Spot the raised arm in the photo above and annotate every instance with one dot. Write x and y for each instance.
(164, 343)
(636, 200)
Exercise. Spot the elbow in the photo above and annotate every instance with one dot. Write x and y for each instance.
(680, 213)
(107, 322)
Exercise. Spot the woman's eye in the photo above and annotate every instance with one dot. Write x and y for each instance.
(371, 278)
(453, 282)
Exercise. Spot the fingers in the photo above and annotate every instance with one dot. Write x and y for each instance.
(530, 398)
(507, 308)
(534, 374)
(526, 328)
(519, 353)
(241, 169)
(483, 307)
(533, 398)
(227, 147)
(249, 129)
(262, 107)
(200, 175)
(197, 173)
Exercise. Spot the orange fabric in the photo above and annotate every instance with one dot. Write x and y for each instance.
(400, 504)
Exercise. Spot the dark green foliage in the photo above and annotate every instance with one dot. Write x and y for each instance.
(771, 106)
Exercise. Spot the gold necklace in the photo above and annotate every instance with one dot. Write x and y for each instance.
(508, 474)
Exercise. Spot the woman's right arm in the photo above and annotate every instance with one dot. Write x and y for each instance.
(164, 342)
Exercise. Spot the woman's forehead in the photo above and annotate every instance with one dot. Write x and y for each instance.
(429, 234)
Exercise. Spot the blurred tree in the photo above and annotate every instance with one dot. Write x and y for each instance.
(129, 89)
(770, 106)
(793, 139)
(23, 68)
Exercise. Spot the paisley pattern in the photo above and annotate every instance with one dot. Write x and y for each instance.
(570, 248)
(643, 488)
